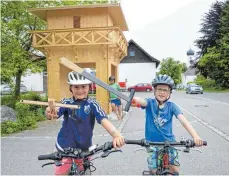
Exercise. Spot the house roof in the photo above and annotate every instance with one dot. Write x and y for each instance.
(151, 57)
(114, 9)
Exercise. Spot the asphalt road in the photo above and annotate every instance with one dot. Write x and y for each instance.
(208, 113)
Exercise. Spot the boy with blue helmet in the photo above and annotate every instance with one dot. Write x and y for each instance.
(158, 126)
(77, 127)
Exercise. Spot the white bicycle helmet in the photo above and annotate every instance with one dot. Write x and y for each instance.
(75, 78)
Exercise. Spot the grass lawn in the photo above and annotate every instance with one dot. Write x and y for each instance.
(208, 90)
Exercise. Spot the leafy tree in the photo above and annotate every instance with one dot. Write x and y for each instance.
(172, 68)
(210, 27)
(211, 33)
(216, 60)
(16, 42)
(184, 67)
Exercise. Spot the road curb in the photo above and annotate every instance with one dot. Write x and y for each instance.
(125, 119)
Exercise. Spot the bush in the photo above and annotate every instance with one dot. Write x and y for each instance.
(31, 96)
(26, 119)
(9, 127)
(34, 97)
(206, 83)
(8, 100)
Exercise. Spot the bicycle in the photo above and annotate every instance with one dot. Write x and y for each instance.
(163, 154)
(75, 153)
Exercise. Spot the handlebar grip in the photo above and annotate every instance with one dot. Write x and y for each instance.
(51, 156)
(136, 142)
(128, 104)
(205, 143)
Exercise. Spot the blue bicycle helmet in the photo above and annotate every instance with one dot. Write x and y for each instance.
(163, 80)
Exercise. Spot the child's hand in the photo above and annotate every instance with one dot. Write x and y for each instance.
(134, 102)
(51, 114)
(198, 141)
(118, 141)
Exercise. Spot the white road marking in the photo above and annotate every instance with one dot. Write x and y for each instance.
(212, 100)
(214, 129)
(54, 137)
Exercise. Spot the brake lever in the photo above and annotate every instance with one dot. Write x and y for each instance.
(47, 164)
(105, 154)
(186, 150)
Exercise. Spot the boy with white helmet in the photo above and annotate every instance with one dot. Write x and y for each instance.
(158, 127)
(77, 127)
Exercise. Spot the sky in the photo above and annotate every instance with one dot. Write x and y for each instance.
(165, 28)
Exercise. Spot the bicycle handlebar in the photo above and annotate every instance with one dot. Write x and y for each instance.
(144, 143)
(77, 153)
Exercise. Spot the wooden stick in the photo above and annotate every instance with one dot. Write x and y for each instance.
(51, 103)
(47, 104)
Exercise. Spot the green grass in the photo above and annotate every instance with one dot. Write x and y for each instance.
(215, 90)
(208, 90)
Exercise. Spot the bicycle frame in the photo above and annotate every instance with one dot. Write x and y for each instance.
(163, 167)
(162, 163)
(79, 154)
(86, 168)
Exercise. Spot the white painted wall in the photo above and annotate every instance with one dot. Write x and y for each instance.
(136, 73)
(187, 79)
(33, 81)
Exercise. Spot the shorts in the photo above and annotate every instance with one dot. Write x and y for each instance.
(65, 168)
(116, 101)
(154, 161)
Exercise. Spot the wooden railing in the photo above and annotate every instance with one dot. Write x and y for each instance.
(80, 37)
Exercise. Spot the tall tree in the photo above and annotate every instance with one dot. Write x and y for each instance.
(172, 68)
(184, 67)
(17, 41)
(216, 60)
(210, 29)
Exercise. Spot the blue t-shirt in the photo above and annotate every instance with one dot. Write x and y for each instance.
(77, 127)
(158, 126)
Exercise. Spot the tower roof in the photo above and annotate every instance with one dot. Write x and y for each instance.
(190, 52)
(114, 10)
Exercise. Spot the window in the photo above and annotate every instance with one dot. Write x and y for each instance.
(76, 22)
(132, 53)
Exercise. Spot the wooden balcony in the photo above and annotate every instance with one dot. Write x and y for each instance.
(112, 36)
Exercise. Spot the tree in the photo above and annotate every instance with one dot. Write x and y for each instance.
(216, 60)
(184, 67)
(17, 41)
(211, 33)
(172, 68)
(210, 28)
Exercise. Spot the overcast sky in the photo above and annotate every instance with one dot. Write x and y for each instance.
(165, 28)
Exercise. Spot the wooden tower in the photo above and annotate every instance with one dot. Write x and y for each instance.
(89, 35)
